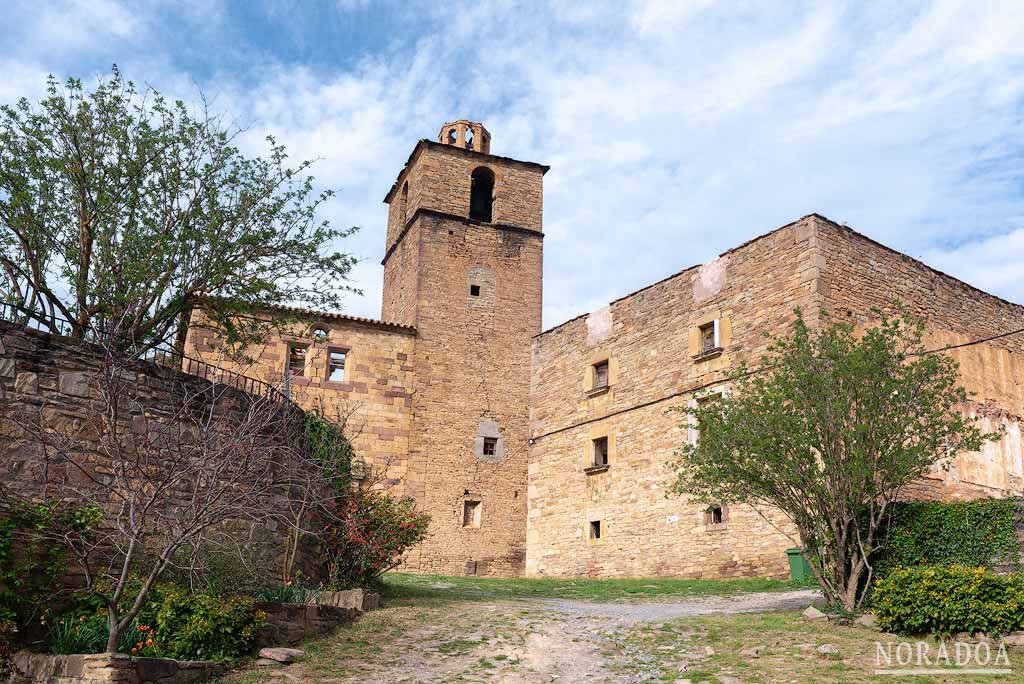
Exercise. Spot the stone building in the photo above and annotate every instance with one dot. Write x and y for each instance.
(547, 453)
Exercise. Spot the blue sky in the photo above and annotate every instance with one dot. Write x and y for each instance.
(675, 130)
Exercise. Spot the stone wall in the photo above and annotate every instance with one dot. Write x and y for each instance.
(439, 179)
(647, 338)
(55, 377)
(375, 399)
(98, 668)
(472, 361)
(859, 275)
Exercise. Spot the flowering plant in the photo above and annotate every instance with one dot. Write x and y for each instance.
(365, 535)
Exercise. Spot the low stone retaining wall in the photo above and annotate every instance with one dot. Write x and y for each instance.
(109, 667)
(290, 623)
(287, 624)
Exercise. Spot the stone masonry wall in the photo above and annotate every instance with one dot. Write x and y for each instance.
(376, 397)
(859, 274)
(439, 178)
(472, 363)
(55, 376)
(648, 340)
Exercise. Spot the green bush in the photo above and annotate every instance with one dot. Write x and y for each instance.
(7, 631)
(977, 533)
(945, 600)
(174, 623)
(206, 627)
(87, 633)
(32, 559)
(366, 534)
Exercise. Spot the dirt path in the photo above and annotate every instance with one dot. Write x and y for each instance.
(529, 641)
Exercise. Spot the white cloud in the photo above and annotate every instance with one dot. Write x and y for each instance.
(674, 130)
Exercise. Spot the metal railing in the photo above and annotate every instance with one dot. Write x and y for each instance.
(161, 354)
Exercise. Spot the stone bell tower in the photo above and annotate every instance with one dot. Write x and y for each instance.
(463, 265)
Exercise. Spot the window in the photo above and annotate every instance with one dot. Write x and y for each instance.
(716, 515)
(709, 337)
(403, 204)
(471, 514)
(474, 290)
(297, 359)
(595, 529)
(453, 135)
(320, 333)
(481, 194)
(601, 451)
(601, 375)
(336, 366)
(490, 446)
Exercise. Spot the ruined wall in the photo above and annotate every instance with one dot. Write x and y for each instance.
(859, 274)
(56, 378)
(648, 339)
(472, 362)
(375, 399)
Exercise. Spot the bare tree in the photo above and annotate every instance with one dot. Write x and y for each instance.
(214, 465)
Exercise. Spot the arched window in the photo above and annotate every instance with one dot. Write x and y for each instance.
(481, 195)
(403, 205)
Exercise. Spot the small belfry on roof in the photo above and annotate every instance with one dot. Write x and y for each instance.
(469, 135)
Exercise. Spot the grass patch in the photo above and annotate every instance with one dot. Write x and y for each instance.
(400, 588)
(789, 651)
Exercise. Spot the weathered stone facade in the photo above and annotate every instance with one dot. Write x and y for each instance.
(651, 343)
(493, 426)
(56, 379)
(437, 395)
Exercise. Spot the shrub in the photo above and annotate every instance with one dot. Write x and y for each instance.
(174, 623)
(977, 533)
(945, 600)
(366, 536)
(32, 560)
(7, 630)
(87, 633)
(202, 626)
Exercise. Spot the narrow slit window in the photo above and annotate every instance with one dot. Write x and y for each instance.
(471, 514)
(297, 360)
(600, 451)
(490, 446)
(595, 529)
(601, 375)
(336, 366)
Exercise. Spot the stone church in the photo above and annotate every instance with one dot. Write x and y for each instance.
(546, 453)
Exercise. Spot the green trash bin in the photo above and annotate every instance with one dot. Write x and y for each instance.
(799, 569)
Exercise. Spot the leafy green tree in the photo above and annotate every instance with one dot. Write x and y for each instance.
(121, 211)
(830, 430)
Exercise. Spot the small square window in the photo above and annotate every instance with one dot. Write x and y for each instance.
(708, 337)
(601, 375)
(490, 446)
(297, 359)
(471, 514)
(336, 366)
(716, 515)
(595, 529)
(601, 451)
(474, 290)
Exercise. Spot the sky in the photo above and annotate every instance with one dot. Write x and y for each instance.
(674, 130)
